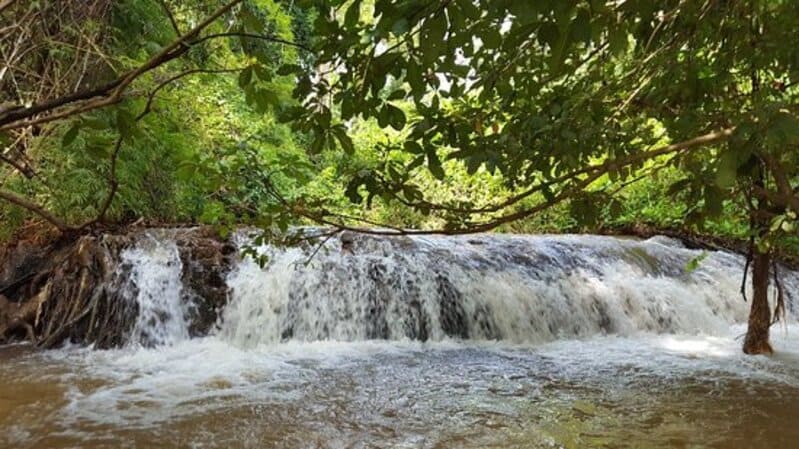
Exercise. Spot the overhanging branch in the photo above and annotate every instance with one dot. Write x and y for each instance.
(700, 141)
(109, 93)
(24, 203)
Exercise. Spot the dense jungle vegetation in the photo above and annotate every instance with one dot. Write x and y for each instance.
(450, 116)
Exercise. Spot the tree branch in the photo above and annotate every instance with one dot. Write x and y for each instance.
(113, 185)
(36, 209)
(163, 84)
(706, 139)
(594, 173)
(111, 92)
(5, 4)
(170, 16)
(263, 37)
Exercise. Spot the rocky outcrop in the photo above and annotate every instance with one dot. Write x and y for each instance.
(206, 261)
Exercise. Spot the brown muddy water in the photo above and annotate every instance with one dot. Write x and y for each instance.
(644, 391)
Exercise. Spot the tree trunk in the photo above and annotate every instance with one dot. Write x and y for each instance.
(756, 341)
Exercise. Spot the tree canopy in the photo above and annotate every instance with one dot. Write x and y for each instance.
(473, 114)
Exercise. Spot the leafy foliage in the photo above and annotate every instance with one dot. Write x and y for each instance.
(448, 116)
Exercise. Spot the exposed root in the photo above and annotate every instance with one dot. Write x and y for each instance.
(76, 290)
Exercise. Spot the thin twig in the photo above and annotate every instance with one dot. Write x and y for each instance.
(170, 16)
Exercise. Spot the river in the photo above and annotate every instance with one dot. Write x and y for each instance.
(473, 342)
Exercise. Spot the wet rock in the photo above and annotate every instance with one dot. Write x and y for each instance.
(206, 259)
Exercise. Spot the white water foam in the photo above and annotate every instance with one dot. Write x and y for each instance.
(502, 317)
(518, 289)
(142, 388)
(154, 284)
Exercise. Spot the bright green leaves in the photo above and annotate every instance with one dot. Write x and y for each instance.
(260, 88)
(694, 263)
(784, 223)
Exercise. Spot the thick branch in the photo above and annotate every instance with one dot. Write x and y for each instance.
(35, 208)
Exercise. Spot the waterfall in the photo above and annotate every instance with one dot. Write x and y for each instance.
(524, 289)
(152, 281)
(484, 287)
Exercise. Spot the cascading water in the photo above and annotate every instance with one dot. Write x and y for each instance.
(153, 283)
(422, 342)
(522, 289)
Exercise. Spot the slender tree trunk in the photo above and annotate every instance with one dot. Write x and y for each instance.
(756, 341)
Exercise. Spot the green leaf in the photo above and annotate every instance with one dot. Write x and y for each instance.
(346, 142)
(398, 94)
(491, 38)
(469, 9)
(549, 34)
(186, 171)
(437, 28)
(581, 27)
(288, 69)
(678, 186)
(394, 116)
(94, 123)
(400, 27)
(693, 264)
(251, 21)
(353, 14)
(245, 77)
(126, 123)
(785, 127)
(412, 147)
(318, 144)
(352, 191)
(434, 164)
(415, 163)
(727, 169)
(714, 201)
(71, 135)
(618, 41)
